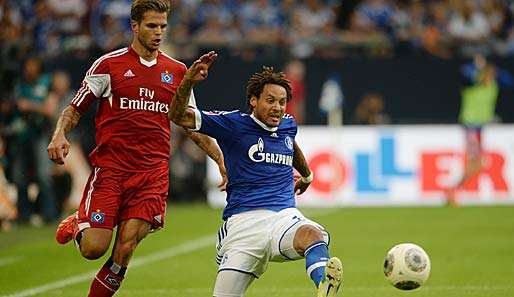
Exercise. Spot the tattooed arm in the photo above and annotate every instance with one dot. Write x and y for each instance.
(179, 113)
(300, 164)
(213, 151)
(59, 146)
(183, 116)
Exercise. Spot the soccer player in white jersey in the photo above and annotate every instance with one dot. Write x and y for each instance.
(261, 223)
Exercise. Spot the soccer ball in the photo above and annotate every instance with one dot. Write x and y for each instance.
(407, 266)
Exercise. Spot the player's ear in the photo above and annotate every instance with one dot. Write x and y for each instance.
(253, 101)
(135, 26)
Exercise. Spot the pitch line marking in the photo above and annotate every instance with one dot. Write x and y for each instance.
(9, 260)
(184, 248)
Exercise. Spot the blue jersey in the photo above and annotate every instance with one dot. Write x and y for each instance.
(259, 159)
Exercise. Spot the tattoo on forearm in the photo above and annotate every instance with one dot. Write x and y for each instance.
(214, 153)
(68, 120)
(299, 162)
(179, 103)
(207, 145)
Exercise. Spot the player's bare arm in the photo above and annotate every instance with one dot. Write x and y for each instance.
(213, 151)
(59, 146)
(179, 112)
(300, 164)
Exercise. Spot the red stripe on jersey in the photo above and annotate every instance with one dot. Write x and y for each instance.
(83, 88)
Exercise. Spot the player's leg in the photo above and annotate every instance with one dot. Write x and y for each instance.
(242, 251)
(91, 242)
(296, 237)
(91, 226)
(310, 243)
(472, 161)
(142, 208)
(94, 242)
(108, 280)
(325, 272)
(231, 283)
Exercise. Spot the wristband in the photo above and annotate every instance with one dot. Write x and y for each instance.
(308, 179)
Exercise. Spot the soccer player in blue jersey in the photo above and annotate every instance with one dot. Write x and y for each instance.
(261, 223)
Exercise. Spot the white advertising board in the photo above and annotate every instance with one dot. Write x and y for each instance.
(397, 165)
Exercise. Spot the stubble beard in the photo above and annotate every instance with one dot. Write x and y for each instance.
(147, 46)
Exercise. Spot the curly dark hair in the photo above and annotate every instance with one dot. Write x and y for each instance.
(258, 80)
(139, 7)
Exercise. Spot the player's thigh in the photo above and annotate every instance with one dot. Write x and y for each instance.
(101, 198)
(231, 283)
(285, 231)
(148, 193)
(243, 242)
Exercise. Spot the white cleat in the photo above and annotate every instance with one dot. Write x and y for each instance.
(332, 279)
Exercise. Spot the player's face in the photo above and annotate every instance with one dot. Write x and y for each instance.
(151, 30)
(271, 105)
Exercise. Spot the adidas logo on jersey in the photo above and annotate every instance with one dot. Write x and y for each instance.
(129, 73)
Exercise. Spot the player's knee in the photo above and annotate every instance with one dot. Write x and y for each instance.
(95, 242)
(305, 236)
(310, 233)
(93, 251)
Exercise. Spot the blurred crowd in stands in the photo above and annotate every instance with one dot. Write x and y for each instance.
(33, 33)
(301, 28)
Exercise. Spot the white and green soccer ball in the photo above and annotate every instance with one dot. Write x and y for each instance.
(407, 266)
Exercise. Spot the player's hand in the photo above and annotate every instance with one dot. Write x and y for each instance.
(299, 186)
(200, 68)
(224, 178)
(58, 149)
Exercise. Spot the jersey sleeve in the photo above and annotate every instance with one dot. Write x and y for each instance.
(192, 100)
(96, 84)
(217, 124)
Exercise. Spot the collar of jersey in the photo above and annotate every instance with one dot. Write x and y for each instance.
(148, 63)
(141, 60)
(264, 126)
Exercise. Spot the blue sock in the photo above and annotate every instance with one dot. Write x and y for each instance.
(316, 257)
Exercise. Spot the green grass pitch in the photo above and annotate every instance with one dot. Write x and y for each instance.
(471, 249)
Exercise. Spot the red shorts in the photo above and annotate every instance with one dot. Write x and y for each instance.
(112, 196)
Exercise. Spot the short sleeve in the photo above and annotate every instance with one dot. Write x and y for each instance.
(192, 100)
(217, 124)
(96, 84)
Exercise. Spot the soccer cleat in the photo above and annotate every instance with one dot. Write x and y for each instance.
(67, 229)
(332, 278)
